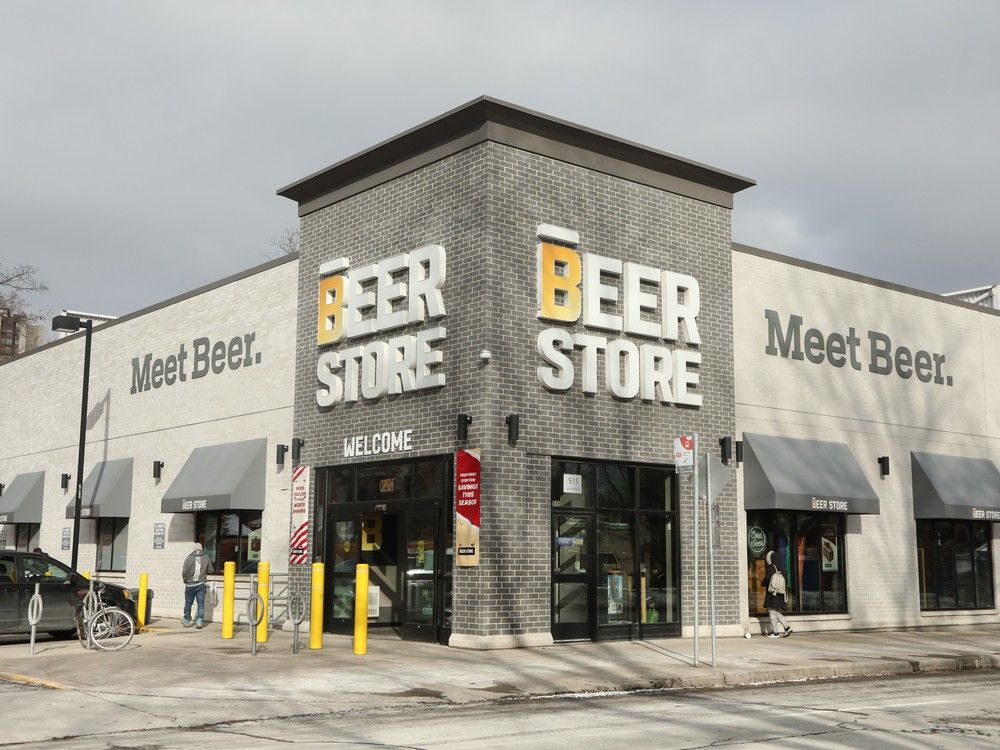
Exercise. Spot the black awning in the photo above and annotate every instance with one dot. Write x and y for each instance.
(782, 473)
(229, 476)
(21, 502)
(955, 487)
(107, 492)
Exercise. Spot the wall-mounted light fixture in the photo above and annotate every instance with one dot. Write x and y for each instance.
(739, 451)
(157, 469)
(513, 422)
(2, 485)
(883, 466)
(726, 449)
(279, 454)
(64, 481)
(297, 450)
(462, 433)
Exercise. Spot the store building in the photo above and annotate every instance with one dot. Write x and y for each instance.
(568, 292)
(188, 400)
(471, 378)
(870, 421)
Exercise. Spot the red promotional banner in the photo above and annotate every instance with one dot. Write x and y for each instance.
(467, 477)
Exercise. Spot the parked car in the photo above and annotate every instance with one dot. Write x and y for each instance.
(62, 589)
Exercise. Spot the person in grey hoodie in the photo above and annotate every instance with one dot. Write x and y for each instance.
(195, 572)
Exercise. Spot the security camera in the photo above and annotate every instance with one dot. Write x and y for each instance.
(485, 355)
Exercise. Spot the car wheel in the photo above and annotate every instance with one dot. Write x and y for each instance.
(61, 635)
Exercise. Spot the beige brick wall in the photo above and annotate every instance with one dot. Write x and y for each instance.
(41, 406)
(876, 415)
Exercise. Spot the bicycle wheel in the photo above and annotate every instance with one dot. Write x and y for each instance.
(81, 626)
(111, 629)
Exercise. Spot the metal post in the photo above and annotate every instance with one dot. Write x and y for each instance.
(695, 566)
(34, 616)
(316, 606)
(141, 605)
(263, 587)
(88, 327)
(711, 554)
(361, 610)
(228, 598)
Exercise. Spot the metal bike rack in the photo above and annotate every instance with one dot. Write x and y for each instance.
(297, 614)
(91, 604)
(35, 607)
(255, 613)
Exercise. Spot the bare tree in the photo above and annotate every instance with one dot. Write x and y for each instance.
(284, 243)
(15, 282)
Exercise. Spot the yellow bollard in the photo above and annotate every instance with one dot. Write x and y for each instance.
(316, 607)
(361, 611)
(141, 604)
(263, 584)
(86, 574)
(228, 598)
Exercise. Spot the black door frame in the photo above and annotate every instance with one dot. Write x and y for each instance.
(440, 630)
(577, 630)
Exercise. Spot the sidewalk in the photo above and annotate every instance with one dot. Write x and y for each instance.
(171, 661)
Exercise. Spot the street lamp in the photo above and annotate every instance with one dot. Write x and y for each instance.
(71, 324)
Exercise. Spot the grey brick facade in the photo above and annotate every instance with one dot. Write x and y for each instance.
(483, 204)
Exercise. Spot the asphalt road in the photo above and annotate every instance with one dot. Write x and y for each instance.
(960, 710)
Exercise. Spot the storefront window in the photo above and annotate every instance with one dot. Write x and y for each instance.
(809, 549)
(112, 544)
(955, 564)
(231, 537)
(26, 536)
(614, 549)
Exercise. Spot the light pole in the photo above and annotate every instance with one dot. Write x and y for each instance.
(70, 324)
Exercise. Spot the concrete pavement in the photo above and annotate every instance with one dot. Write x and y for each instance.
(392, 667)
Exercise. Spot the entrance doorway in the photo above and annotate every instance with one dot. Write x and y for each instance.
(406, 542)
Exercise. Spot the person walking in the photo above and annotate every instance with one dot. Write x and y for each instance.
(195, 573)
(774, 598)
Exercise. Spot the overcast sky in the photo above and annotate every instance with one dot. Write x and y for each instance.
(141, 144)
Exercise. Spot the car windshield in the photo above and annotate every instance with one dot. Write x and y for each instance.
(44, 570)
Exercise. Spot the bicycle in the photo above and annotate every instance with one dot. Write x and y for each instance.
(107, 628)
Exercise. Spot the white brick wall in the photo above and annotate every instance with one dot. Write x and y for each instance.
(876, 415)
(41, 408)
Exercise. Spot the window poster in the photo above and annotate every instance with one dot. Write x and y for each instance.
(616, 595)
(830, 553)
(253, 546)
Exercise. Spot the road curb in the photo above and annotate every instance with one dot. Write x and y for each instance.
(23, 679)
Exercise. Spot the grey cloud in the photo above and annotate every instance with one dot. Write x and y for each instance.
(141, 144)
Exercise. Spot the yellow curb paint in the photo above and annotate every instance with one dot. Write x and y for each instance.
(23, 679)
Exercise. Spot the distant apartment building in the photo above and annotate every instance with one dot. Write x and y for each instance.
(18, 335)
(987, 296)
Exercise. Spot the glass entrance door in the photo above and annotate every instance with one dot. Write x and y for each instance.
(421, 552)
(572, 600)
(409, 558)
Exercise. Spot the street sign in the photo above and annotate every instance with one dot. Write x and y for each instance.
(684, 454)
(718, 475)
